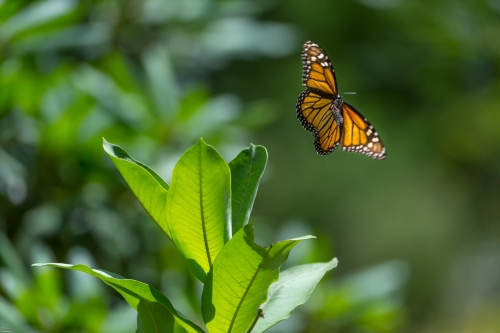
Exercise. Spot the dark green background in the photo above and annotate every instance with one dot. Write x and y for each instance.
(417, 235)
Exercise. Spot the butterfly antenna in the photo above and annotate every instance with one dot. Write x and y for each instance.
(349, 93)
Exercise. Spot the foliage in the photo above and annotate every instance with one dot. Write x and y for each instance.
(236, 272)
(72, 72)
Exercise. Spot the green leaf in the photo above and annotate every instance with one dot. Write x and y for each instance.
(199, 207)
(138, 294)
(154, 317)
(193, 102)
(12, 317)
(34, 15)
(147, 186)
(239, 280)
(161, 80)
(293, 288)
(11, 259)
(246, 170)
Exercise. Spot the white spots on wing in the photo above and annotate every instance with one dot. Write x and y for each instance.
(321, 55)
(313, 58)
(368, 132)
(367, 149)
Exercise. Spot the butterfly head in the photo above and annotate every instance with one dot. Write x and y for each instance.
(337, 103)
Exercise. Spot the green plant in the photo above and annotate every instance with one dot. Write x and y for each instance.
(72, 72)
(205, 212)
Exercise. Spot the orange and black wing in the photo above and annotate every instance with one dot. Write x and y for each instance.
(315, 115)
(317, 69)
(359, 135)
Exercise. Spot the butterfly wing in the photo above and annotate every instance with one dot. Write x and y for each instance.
(317, 69)
(315, 115)
(359, 135)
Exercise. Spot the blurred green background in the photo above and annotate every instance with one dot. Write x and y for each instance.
(417, 235)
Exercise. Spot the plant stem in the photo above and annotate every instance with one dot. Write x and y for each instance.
(260, 313)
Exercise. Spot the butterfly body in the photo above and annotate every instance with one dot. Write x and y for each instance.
(321, 110)
(336, 107)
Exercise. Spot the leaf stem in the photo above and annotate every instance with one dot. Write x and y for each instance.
(260, 314)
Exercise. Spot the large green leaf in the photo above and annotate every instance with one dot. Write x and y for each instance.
(147, 186)
(239, 280)
(141, 297)
(246, 170)
(293, 288)
(199, 207)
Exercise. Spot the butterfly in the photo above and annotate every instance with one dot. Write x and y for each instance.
(322, 111)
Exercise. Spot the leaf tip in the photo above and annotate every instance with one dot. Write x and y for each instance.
(306, 237)
(334, 262)
(108, 147)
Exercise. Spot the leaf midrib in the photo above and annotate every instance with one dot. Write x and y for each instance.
(207, 249)
(281, 285)
(254, 277)
(152, 317)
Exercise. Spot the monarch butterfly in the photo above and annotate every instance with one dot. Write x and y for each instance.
(322, 111)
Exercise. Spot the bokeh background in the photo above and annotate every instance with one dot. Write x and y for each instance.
(417, 235)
